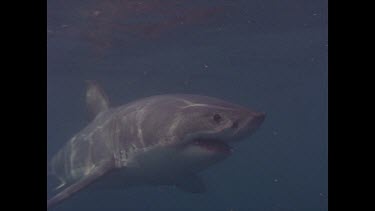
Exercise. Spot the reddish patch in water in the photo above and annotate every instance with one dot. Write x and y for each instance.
(102, 23)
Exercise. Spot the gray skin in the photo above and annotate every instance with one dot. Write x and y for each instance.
(159, 140)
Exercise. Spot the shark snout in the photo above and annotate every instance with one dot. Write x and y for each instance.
(256, 120)
(259, 118)
(252, 122)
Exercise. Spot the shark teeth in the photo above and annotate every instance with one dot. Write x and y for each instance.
(213, 145)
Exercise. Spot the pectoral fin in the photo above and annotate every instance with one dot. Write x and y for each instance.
(95, 174)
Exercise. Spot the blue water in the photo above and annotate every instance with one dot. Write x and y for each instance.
(269, 55)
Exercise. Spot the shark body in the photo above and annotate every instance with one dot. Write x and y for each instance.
(158, 140)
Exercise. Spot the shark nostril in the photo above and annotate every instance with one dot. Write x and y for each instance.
(235, 125)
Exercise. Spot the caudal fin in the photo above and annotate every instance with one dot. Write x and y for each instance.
(72, 189)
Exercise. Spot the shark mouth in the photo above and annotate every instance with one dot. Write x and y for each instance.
(213, 145)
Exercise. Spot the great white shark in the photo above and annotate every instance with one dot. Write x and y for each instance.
(158, 140)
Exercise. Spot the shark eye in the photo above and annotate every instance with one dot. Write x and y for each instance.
(217, 118)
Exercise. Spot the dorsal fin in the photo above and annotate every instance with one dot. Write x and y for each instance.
(96, 99)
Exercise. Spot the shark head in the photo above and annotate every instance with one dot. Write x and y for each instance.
(202, 129)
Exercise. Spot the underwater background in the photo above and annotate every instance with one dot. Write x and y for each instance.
(270, 55)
